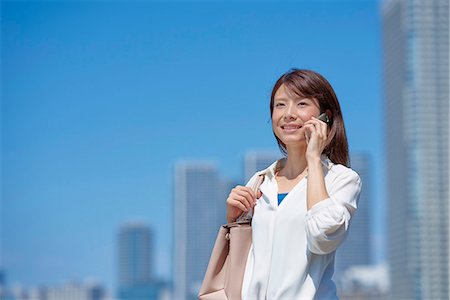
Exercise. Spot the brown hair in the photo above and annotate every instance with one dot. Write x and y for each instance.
(309, 84)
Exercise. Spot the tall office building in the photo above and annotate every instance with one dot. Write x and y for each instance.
(2, 278)
(134, 254)
(258, 160)
(135, 262)
(3, 294)
(198, 213)
(416, 90)
(356, 249)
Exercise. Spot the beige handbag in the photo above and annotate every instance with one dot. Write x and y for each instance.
(226, 267)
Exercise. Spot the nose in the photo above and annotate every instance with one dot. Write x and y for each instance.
(290, 113)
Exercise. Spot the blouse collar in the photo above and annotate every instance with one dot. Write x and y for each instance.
(270, 171)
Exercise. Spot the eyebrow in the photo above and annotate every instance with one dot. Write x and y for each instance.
(296, 99)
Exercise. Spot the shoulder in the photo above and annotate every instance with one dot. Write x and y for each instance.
(344, 184)
(343, 173)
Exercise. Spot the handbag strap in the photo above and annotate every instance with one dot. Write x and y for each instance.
(246, 216)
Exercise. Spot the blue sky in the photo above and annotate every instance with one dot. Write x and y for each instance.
(99, 99)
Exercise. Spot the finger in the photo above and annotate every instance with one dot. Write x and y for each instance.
(317, 127)
(311, 128)
(238, 204)
(259, 194)
(244, 198)
(250, 191)
(322, 126)
(317, 123)
(322, 129)
(252, 194)
(319, 120)
(313, 131)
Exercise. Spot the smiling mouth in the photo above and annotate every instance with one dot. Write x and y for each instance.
(291, 127)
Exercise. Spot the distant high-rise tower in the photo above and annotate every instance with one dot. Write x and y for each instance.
(198, 212)
(355, 250)
(2, 278)
(258, 160)
(135, 278)
(416, 90)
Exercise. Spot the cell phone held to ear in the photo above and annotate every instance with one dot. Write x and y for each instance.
(323, 117)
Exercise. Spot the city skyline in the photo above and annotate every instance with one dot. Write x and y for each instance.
(135, 236)
(92, 139)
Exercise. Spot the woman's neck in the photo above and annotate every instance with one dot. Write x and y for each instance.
(294, 165)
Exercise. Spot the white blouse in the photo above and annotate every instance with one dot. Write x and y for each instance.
(292, 252)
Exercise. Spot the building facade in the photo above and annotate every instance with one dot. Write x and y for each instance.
(416, 92)
(135, 263)
(198, 213)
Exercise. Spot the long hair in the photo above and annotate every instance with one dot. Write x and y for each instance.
(309, 84)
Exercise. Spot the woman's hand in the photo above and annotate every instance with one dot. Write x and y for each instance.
(317, 131)
(240, 199)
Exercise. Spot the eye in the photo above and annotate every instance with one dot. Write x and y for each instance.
(279, 104)
(302, 103)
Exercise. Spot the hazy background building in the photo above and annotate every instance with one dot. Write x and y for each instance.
(74, 291)
(136, 254)
(370, 282)
(356, 249)
(416, 91)
(70, 290)
(258, 160)
(198, 213)
(356, 274)
(2, 284)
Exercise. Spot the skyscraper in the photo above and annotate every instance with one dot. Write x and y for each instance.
(356, 249)
(135, 263)
(2, 278)
(416, 90)
(198, 201)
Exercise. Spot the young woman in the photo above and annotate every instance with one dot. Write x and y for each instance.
(303, 208)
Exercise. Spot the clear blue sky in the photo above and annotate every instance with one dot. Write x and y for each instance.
(100, 98)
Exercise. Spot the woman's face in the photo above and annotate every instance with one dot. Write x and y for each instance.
(289, 114)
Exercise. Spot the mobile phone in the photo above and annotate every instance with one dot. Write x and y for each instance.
(324, 117)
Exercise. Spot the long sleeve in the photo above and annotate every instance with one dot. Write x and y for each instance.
(327, 221)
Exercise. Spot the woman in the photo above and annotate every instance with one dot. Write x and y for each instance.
(304, 206)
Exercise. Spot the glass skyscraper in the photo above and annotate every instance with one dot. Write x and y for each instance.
(416, 92)
(198, 213)
(135, 263)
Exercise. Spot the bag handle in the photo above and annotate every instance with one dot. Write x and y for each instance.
(247, 215)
